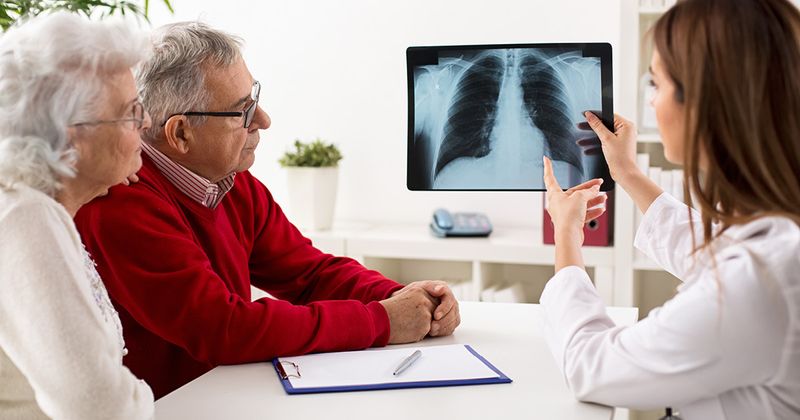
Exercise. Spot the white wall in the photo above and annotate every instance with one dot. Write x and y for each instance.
(336, 69)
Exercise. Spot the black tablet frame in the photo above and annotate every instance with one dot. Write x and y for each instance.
(419, 55)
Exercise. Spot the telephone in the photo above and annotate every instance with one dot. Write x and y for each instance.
(446, 224)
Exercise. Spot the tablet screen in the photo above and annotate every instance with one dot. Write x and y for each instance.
(482, 116)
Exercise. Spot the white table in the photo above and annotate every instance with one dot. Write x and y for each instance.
(508, 335)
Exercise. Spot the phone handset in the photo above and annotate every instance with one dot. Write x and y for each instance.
(446, 224)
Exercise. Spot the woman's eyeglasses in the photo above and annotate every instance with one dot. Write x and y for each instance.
(137, 118)
(248, 113)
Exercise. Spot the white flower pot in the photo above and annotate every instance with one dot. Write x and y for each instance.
(312, 196)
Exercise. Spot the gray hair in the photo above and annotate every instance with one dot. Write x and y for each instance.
(173, 79)
(51, 76)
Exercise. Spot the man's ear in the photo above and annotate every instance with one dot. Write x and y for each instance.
(178, 134)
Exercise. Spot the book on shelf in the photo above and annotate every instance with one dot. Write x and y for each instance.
(511, 294)
(656, 4)
(462, 291)
(647, 114)
(643, 162)
(677, 184)
(514, 293)
(666, 182)
(654, 173)
(487, 295)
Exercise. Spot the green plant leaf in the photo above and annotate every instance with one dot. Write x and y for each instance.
(13, 11)
(315, 154)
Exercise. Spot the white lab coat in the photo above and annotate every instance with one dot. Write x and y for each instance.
(727, 346)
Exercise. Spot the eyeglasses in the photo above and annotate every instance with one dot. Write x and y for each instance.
(248, 113)
(137, 118)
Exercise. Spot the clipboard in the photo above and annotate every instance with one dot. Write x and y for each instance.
(367, 370)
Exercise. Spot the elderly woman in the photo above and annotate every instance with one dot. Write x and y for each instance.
(69, 129)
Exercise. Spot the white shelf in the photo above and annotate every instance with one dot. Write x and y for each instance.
(652, 10)
(411, 248)
(408, 241)
(649, 138)
(334, 241)
(504, 245)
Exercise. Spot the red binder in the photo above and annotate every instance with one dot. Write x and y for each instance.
(599, 232)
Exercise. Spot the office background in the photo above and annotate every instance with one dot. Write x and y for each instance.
(337, 70)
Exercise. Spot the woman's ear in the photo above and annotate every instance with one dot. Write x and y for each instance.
(679, 93)
(178, 133)
(74, 136)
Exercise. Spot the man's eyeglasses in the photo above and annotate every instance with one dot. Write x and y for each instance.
(137, 118)
(248, 113)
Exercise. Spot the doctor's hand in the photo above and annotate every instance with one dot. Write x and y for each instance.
(571, 209)
(589, 142)
(410, 311)
(446, 315)
(619, 147)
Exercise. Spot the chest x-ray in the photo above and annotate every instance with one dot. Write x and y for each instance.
(481, 118)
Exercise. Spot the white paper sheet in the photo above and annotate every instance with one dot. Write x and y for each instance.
(367, 367)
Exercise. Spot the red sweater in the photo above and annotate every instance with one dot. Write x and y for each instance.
(180, 274)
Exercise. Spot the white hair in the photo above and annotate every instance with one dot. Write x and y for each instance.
(53, 72)
(172, 81)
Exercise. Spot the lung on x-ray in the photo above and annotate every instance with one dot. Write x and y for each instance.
(482, 117)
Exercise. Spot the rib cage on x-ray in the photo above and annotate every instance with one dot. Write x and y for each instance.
(546, 102)
(468, 88)
(472, 113)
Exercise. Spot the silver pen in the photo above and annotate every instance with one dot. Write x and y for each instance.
(408, 361)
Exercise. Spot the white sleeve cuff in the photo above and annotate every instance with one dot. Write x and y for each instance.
(572, 275)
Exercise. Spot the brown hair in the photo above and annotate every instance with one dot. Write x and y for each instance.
(736, 68)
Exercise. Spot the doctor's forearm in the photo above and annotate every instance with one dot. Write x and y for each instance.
(568, 248)
(640, 188)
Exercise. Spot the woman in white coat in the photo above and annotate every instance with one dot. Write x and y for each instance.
(70, 124)
(727, 346)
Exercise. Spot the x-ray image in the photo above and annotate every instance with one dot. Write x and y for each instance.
(482, 118)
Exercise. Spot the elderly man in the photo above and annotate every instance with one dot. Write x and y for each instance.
(179, 250)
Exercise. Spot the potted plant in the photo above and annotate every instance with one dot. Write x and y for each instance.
(312, 175)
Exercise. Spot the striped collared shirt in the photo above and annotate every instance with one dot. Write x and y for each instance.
(199, 189)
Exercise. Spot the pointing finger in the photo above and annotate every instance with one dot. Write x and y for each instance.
(550, 181)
